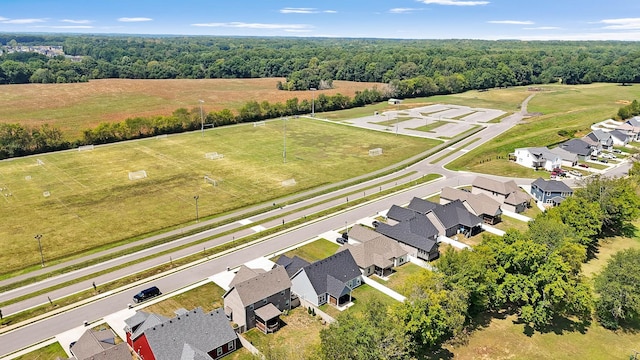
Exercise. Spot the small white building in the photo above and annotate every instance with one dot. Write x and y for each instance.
(537, 158)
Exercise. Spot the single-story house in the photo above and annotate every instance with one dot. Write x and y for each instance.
(551, 192)
(537, 158)
(374, 253)
(620, 138)
(568, 158)
(417, 235)
(584, 150)
(454, 218)
(480, 205)
(192, 335)
(330, 280)
(632, 131)
(259, 300)
(292, 265)
(505, 192)
(99, 345)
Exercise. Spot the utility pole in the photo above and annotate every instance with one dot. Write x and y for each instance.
(38, 237)
(197, 215)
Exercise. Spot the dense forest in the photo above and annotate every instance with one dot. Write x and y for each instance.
(413, 67)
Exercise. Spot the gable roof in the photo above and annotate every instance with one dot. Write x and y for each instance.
(480, 203)
(620, 135)
(379, 251)
(551, 186)
(245, 273)
(418, 232)
(361, 233)
(292, 265)
(499, 187)
(399, 213)
(634, 121)
(542, 153)
(599, 135)
(422, 206)
(93, 342)
(517, 198)
(204, 332)
(150, 321)
(330, 275)
(577, 146)
(454, 213)
(261, 286)
(191, 353)
(564, 154)
(117, 352)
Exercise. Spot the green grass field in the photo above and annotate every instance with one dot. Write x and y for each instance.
(93, 204)
(563, 107)
(208, 297)
(314, 251)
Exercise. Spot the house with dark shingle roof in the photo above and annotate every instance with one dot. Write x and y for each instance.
(99, 345)
(373, 252)
(620, 137)
(507, 193)
(568, 158)
(417, 235)
(259, 300)
(480, 205)
(453, 218)
(601, 137)
(584, 150)
(291, 265)
(550, 192)
(330, 280)
(194, 335)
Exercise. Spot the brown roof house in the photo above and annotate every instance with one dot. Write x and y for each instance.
(373, 252)
(507, 193)
(99, 345)
(480, 205)
(258, 301)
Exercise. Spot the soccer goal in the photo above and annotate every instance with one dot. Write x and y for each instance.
(259, 123)
(85, 147)
(210, 180)
(289, 182)
(375, 152)
(213, 156)
(137, 175)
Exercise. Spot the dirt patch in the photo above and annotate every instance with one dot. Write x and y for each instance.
(623, 102)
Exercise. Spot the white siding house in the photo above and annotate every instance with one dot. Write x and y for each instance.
(537, 158)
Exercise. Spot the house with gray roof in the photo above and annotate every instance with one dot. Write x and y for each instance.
(506, 193)
(620, 137)
(537, 158)
(583, 149)
(417, 235)
(259, 300)
(98, 345)
(568, 158)
(194, 335)
(373, 252)
(481, 205)
(453, 218)
(601, 137)
(292, 265)
(330, 280)
(550, 192)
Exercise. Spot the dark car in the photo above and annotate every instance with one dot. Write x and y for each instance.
(583, 165)
(146, 294)
(341, 241)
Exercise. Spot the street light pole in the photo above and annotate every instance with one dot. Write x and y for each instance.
(201, 117)
(197, 215)
(38, 237)
(313, 101)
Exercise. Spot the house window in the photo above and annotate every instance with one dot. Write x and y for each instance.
(286, 303)
(219, 351)
(231, 345)
(548, 193)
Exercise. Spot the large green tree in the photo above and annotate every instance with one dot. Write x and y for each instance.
(618, 289)
(618, 199)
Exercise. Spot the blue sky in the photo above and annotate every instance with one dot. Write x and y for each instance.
(412, 19)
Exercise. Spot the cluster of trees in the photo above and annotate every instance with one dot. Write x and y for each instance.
(629, 111)
(427, 66)
(17, 140)
(535, 274)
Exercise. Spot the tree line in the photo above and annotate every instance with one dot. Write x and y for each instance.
(417, 67)
(534, 274)
(18, 140)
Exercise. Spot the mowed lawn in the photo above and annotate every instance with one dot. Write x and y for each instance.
(563, 107)
(93, 203)
(78, 106)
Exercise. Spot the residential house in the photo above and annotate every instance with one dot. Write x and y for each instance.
(584, 150)
(620, 137)
(99, 345)
(192, 335)
(537, 158)
(632, 128)
(506, 193)
(291, 265)
(568, 158)
(373, 252)
(453, 218)
(551, 192)
(481, 205)
(599, 137)
(330, 280)
(415, 233)
(258, 301)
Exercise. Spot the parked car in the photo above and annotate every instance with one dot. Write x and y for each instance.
(341, 241)
(603, 160)
(146, 294)
(375, 223)
(617, 151)
(584, 165)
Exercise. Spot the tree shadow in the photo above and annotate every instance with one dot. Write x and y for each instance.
(437, 354)
(559, 325)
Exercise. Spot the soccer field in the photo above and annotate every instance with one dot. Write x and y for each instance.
(83, 200)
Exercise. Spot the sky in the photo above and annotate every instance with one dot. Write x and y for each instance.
(404, 19)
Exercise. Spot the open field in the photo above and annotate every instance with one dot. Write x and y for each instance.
(90, 191)
(563, 107)
(78, 106)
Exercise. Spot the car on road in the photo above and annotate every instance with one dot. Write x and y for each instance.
(146, 294)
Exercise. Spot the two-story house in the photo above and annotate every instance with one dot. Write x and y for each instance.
(550, 192)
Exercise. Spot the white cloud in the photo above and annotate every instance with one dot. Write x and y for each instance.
(511, 22)
(600, 36)
(329, 11)
(543, 28)
(134, 19)
(454, 2)
(3, 18)
(256, 25)
(403, 10)
(22, 21)
(623, 24)
(289, 10)
(76, 21)
(298, 30)
(72, 27)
